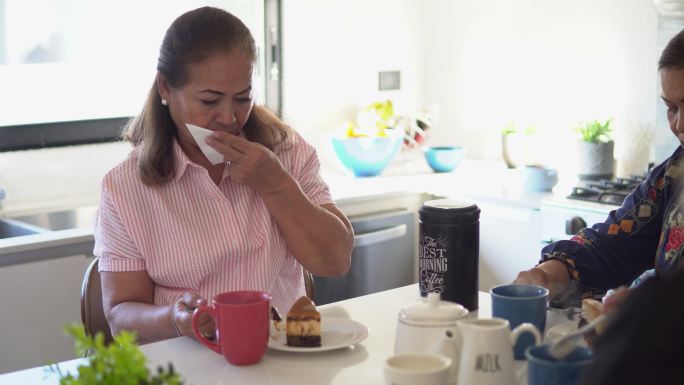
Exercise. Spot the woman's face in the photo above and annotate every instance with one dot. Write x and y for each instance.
(672, 86)
(218, 95)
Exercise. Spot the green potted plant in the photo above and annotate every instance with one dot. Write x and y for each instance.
(595, 150)
(517, 146)
(120, 362)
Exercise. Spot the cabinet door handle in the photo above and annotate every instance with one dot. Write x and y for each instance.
(378, 236)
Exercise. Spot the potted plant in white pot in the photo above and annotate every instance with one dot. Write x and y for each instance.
(595, 150)
(517, 146)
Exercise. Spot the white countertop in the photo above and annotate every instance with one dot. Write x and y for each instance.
(357, 365)
(60, 178)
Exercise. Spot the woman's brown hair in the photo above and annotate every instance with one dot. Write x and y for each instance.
(673, 54)
(191, 38)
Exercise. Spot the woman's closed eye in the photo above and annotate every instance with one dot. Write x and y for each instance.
(243, 100)
(209, 103)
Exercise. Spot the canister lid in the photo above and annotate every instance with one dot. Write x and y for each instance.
(432, 309)
(447, 211)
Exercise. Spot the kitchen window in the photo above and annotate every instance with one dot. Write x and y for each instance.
(74, 71)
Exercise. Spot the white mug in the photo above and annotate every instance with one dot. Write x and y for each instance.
(417, 368)
(487, 355)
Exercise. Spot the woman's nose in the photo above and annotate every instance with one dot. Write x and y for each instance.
(226, 116)
(679, 123)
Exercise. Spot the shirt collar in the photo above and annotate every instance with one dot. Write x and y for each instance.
(181, 161)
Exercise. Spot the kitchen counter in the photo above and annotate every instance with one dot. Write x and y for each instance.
(73, 181)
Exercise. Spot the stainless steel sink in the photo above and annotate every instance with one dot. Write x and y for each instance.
(10, 228)
(62, 220)
(49, 235)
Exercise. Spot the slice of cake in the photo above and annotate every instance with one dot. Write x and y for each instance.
(303, 324)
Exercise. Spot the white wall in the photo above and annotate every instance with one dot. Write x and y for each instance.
(333, 51)
(550, 63)
(541, 62)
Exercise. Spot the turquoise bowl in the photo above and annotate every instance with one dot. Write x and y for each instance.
(443, 158)
(366, 156)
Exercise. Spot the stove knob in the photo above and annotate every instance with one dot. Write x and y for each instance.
(574, 225)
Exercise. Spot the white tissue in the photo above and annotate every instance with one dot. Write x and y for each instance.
(200, 135)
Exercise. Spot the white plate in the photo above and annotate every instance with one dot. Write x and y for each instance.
(336, 333)
(558, 331)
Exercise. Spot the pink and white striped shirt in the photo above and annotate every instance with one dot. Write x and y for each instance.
(191, 234)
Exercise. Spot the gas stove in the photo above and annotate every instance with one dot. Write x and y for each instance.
(608, 191)
(589, 202)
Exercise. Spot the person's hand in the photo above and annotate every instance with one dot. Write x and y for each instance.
(550, 274)
(534, 276)
(613, 302)
(251, 164)
(182, 315)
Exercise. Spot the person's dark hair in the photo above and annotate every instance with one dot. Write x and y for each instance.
(191, 38)
(673, 54)
(644, 344)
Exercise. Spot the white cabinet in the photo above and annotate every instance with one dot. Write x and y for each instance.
(38, 300)
(509, 242)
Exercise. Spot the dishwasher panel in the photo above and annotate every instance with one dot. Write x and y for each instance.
(384, 257)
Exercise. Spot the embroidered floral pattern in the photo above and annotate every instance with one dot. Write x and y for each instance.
(582, 238)
(579, 239)
(675, 237)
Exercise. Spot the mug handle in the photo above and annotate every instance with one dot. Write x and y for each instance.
(195, 319)
(525, 327)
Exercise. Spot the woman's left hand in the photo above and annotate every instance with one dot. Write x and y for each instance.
(251, 164)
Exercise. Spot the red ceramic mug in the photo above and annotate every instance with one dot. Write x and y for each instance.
(242, 325)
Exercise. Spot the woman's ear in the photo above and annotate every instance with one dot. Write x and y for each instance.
(162, 86)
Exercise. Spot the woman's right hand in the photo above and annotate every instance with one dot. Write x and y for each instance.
(551, 274)
(182, 312)
(533, 276)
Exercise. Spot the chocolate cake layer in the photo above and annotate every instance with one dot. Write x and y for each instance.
(304, 341)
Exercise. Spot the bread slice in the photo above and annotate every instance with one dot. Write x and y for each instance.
(591, 309)
(303, 324)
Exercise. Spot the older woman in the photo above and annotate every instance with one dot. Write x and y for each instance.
(647, 232)
(173, 229)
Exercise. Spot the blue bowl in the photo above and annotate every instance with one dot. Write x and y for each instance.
(366, 156)
(539, 178)
(443, 159)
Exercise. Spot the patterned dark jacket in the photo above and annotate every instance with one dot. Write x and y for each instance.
(646, 232)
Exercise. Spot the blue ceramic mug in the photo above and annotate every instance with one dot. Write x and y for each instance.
(519, 304)
(542, 369)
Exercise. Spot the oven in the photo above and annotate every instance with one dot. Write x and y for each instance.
(561, 218)
(589, 202)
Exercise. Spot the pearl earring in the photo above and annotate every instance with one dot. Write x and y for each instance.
(164, 102)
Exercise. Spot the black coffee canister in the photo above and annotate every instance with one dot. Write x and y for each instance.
(449, 246)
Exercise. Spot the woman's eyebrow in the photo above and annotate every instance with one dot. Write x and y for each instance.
(222, 93)
(245, 90)
(213, 92)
